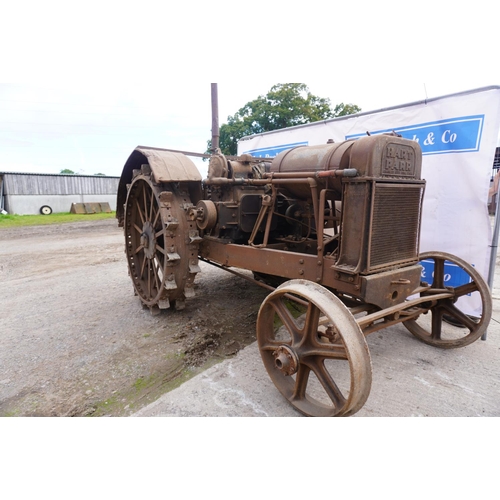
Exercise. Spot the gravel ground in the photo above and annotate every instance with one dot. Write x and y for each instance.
(75, 340)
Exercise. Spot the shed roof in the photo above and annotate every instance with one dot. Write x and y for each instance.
(57, 184)
(57, 175)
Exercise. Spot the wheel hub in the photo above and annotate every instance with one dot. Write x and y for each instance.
(148, 240)
(286, 360)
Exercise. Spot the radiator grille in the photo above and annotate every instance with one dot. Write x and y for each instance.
(395, 225)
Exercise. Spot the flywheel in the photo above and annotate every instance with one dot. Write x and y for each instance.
(161, 241)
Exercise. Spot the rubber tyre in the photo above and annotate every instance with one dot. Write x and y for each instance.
(45, 210)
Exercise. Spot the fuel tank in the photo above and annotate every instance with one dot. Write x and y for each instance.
(377, 157)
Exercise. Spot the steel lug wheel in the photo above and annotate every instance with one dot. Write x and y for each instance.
(161, 243)
(320, 375)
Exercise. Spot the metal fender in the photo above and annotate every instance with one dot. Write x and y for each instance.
(166, 166)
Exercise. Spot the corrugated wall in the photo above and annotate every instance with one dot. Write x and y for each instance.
(33, 184)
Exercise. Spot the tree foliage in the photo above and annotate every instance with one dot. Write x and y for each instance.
(285, 105)
(66, 171)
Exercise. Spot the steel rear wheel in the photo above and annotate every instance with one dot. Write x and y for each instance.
(314, 350)
(447, 326)
(162, 259)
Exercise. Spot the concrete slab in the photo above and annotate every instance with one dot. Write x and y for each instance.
(410, 379)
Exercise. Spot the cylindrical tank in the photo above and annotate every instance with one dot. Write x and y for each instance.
(313, 159)
(384, 156)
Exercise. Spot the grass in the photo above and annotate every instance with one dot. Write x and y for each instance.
(296, 310)
(41, 220)
(143, 392)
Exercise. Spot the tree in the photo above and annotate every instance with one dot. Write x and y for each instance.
(285, 105)
(66, 171)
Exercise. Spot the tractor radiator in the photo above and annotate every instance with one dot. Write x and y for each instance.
(395, 225)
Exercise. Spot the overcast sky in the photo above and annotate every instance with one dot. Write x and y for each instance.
(47, 128)
(101, 80)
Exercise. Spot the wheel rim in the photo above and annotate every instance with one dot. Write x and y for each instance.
(162, 261)
(440, 327)
(319, 361)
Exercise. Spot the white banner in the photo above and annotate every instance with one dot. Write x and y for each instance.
(458, 135)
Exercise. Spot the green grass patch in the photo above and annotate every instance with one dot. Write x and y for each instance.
(41, 220)
(145, 390)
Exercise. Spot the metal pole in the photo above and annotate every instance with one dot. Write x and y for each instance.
(215, 117)
(1, 194)
(493, 254)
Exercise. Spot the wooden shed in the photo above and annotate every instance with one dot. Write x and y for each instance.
(24, 194)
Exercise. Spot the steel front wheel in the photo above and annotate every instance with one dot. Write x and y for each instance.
(449, 324)
(313, 350)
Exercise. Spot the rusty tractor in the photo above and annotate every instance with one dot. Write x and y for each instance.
(331, 230)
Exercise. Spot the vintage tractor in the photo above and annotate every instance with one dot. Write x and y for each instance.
(332, 230)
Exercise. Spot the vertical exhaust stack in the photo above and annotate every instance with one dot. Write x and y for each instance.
(215, 118)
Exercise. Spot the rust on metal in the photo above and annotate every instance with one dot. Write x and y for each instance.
(335, 227)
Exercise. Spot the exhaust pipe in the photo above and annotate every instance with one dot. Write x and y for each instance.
(215, 118)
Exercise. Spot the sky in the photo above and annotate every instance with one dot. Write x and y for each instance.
(47, 128)
(94, 82)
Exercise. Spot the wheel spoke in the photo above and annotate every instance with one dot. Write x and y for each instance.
(139, 211)
(145, 212)
(160, 249)
(328, 384)
(456, 313)
(143, 265)
(299, 391)
(149, 279)
(151, 207)
(272, 344)
(312, 322)
(155, 273)
(437, 322)
(466, 289)
(160, 233)
(156, 218)
(438, 281)
(287, 320)
(138, 249)
(333, 351)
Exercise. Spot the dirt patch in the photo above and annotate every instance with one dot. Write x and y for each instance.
(75, 340)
